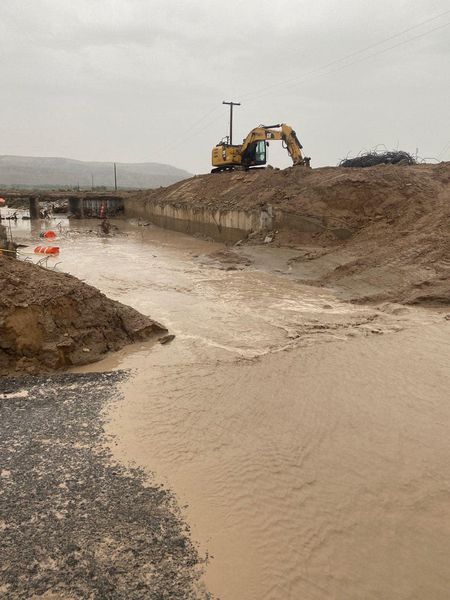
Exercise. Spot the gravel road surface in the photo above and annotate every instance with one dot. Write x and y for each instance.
(73, 523)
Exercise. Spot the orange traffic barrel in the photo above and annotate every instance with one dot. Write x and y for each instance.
(49, 235)
(46, 250)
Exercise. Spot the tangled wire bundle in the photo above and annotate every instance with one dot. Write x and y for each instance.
(370, 159)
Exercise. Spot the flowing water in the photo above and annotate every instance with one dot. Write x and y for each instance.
(306, 439)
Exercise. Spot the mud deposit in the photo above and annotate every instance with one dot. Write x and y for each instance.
(305, 437)
(74, 523)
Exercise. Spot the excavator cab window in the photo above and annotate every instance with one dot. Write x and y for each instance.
(255, 154)
(260, 153)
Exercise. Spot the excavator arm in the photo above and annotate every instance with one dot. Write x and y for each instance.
(282, 132)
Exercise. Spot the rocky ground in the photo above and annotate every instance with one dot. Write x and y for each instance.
(74, 524)
(51, 320)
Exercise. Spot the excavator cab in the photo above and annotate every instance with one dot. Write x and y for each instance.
(260, 152)
(255, 154)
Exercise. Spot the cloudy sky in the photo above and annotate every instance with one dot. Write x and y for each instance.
(144, 80)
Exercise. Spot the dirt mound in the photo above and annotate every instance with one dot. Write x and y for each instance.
(296, 189)
(401, 247)
(385, 229)
(52, 320)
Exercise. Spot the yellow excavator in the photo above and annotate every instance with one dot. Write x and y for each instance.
(253, 151)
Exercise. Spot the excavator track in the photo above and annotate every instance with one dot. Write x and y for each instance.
(228, 168)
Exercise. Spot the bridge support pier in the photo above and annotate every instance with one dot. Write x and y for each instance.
(34, 207)
(76, 207)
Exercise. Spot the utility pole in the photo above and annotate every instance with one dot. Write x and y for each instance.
(92, 181)
(231, 104)
(115, 177)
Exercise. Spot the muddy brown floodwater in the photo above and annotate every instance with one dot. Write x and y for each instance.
(306, 438)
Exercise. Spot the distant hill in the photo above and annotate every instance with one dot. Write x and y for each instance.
(30, 171)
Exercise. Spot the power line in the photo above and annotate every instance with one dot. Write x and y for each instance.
(205, 116)
(416, 37)
(444, 151)
(198, 131)
(320, 71)
(172, 144)
(332, 71)
(355, 53)
(180, 141)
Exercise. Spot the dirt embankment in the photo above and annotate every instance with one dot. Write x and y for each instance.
(397, 218)
(50, 320)
(296, 190)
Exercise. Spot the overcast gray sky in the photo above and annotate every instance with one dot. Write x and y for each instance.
(144, 80)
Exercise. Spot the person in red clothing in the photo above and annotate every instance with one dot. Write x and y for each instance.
(105, 225)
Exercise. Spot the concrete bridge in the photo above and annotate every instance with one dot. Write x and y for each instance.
(81, 204)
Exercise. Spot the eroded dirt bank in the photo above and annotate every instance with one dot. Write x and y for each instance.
(51, 320)
(397, 219)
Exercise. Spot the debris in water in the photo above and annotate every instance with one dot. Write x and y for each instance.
(48, 235)
(46, 250)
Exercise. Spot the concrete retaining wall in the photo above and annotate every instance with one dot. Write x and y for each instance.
(230, 225)
(225, 225)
